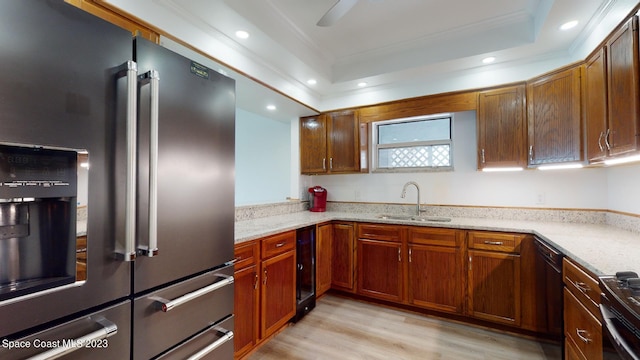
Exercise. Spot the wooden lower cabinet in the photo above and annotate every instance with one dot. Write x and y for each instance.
(435, 263)
(380, 269)
(582, 318)
(264, 289)
(380, 261)
(246, 297)
(494, 286)
(278, 293)
(247, 305)
(324, 235)
(583, 331)
(343, 256)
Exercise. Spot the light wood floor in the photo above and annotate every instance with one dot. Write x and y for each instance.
(340, 328)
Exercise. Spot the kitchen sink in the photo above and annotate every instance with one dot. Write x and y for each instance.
(414, 218)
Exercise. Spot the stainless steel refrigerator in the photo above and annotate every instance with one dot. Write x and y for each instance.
(116, 192)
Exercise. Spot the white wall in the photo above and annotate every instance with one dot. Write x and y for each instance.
(576, 189)
(623, 188)
(263, 159)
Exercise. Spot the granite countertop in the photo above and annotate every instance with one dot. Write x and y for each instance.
(603, 249)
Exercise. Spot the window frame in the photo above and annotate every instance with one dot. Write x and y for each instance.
(375, 146)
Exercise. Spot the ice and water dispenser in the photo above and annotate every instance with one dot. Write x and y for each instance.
(38, 202)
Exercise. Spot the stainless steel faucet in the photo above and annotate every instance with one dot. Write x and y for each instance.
(404, 194)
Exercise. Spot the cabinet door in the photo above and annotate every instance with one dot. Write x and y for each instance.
(343, 256)
(278, 300)
(380, 269)
(554, 117)
(595, 100)
(494, 286)
(622, 63)
(582, 330)
(502, 128)
(436, 277)
(247, 299)
(313, 144)
(323, 258)
(344, 143)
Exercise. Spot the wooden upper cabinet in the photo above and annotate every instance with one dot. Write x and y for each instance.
(622, 85)
(595, 105)
(502, 128)
(313, 144)
(330, 143)
(555, 117)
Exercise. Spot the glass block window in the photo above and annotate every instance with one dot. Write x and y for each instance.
(413, 144)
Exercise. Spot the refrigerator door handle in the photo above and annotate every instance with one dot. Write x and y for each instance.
(167, 305)
(90, 340)
(227, 335)
(130, 70)
(152, 78)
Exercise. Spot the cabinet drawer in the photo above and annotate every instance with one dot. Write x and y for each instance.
(245, 254)
(583, 286)
(434, 236)
(278, 244)
(380, 232)
(495, 241)
(583, 331)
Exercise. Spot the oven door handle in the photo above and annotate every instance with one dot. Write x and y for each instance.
(168, 305)
(227, 335)
(616, 337)
(108, 329)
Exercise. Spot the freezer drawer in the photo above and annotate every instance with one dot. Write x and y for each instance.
(173, 314)
(216, 342)
(103, 335)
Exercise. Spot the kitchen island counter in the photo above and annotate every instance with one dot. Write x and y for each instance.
(603, 249)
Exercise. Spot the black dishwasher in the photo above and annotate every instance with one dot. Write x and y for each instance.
(306, 271)
(549, 288)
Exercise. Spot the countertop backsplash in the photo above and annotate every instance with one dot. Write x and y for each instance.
(597, 217)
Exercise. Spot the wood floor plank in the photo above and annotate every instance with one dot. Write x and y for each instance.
(342, 328)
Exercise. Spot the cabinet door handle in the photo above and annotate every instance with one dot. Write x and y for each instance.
(584, 288)
(482, 155)
(324, 163)
(330, 163)
(279, 245)
(255, 281)
(531, 154)
(399, 254)
(600, 141)
(410, 254)
(493, 242)
(581, 334)
(606, 139)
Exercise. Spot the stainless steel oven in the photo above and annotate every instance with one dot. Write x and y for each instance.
(620, 307)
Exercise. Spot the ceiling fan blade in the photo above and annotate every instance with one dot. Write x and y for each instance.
(336, 12)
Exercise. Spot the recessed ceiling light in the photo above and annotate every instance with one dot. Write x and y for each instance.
(271, 107)
(242, 34)
(488, 60)
(569, 25)
(362, 84)
(312, 81)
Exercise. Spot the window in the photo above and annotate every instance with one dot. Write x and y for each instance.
(420, 143)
